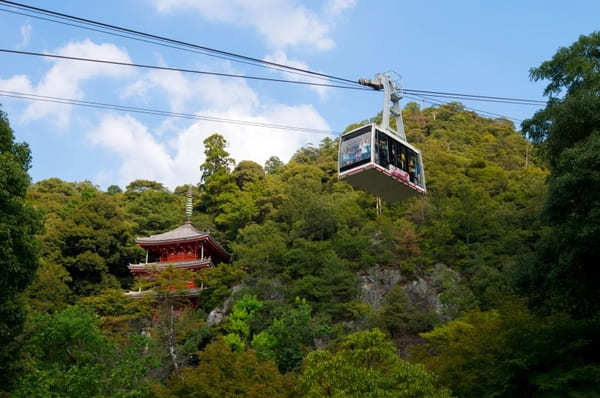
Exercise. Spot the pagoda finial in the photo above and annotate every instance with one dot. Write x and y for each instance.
(188, 206)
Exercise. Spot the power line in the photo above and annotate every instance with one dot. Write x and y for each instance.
(159, 112)
(474, 97)
(86, 21)
(433, 102)
(435, 94)
(160, 44)
(189, 116)
(172, 69)
(181, 45)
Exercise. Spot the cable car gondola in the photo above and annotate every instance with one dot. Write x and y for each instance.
(378, 159)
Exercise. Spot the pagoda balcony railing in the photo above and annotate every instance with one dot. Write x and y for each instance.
(151, 293)
(198, 263)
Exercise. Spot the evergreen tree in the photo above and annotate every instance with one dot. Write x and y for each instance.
(216, 174)
(366, 364)
(273, 165)
(19, 223)
(66, 355)
(217, 158)
(566, 272)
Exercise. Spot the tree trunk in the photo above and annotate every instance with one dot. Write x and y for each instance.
(172, 338)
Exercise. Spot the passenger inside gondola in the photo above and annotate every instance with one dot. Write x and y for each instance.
(418, 172)
(397, 158)
(356, 150)
(403, 160)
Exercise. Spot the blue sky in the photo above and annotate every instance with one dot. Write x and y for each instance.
(477, 47)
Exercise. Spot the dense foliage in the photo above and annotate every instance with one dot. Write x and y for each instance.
(485, 286)
(565, 272)
(510, 352)
(68, 356)
(366, 365)
(19, 223)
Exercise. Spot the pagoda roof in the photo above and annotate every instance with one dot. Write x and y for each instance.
(184, 233)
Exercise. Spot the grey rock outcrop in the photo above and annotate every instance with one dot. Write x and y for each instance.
(218, 314)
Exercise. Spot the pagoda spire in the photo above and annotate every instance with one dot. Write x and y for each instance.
(188, 206)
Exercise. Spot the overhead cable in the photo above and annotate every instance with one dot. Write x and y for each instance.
(195, 71)
(434, 94)
(121, 29)
(474, 97)
(438, 103)
(158, 112)
(158, 43)
(85, 23)
(190, 116)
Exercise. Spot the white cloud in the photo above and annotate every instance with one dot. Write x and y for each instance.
(246, 142)
(144, 150)
(141, 155)
(336, 7)
(175, 159)
(25, 35)
(173, 83)
(280, 57)
(64, 79)
(283, 23)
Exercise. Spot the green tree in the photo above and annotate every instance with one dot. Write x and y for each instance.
(247, 172)
(49, 291)
(19, 223)
(273, 165)
(169, 291)
(113, 189)
(139, 186)
(222, 372)
(216, 176)
(53, 197)
(119, 314)
(261, 248)
(288, 337)
(154, 211)
(365, 364)
(239, 318)
(566, 272)
(236, 209)
(66, 355)
(94, 244)
(400, 317)
(220, 281)
(217, 158)
(511, 352)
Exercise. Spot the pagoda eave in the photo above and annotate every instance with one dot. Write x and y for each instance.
(205, 239)
(148, 268)
(151, 242)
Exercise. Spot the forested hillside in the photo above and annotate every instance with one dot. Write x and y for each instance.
(481, 288)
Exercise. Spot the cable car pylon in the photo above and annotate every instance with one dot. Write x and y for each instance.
(379, 159)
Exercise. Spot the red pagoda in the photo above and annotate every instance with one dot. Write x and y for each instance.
(184, 247)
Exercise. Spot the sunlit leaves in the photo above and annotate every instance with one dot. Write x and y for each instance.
(366, 365)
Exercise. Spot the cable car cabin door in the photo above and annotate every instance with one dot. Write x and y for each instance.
(378, 162)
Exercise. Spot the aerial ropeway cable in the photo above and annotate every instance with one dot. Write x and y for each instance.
(86, 23)
(335, 81)
(420, 93)
(159, 112)
(156, 39)
(173, 69)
